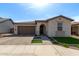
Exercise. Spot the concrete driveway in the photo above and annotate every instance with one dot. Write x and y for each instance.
(16, 40)
(18, 45)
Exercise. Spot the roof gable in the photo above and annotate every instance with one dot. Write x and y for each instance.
(2, 20)
(60, 16)
(55, 18)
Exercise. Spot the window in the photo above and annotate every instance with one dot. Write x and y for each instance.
(59, 26)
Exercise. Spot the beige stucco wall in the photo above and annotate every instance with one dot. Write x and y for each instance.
(78, 30)
(38, 27)
(6, 26)
(52, 27)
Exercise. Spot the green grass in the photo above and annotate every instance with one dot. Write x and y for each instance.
(67, 40)
(36, 41)
(77, 45)
(66, 45)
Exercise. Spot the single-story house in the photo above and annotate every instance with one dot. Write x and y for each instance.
(75, 28)
(56, 26)
(5, 25)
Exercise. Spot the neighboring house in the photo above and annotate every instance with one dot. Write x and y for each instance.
(75, 28)
(56, 26)
(5, 25)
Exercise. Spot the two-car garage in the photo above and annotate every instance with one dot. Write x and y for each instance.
(26, 30)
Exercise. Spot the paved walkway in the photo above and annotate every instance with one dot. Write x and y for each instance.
(46, 40)
(37, 50)
(75, 36)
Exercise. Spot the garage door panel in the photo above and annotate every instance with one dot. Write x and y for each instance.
(26, 30)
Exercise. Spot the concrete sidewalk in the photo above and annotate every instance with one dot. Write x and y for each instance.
(37, 50)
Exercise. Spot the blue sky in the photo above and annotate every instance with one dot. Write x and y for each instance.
(32, 11)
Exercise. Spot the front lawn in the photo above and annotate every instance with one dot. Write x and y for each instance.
(67, 40)
(36, 41)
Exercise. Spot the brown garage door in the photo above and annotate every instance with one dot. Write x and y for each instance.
(26, 30)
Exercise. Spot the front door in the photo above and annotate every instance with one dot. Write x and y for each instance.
(42, 30)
